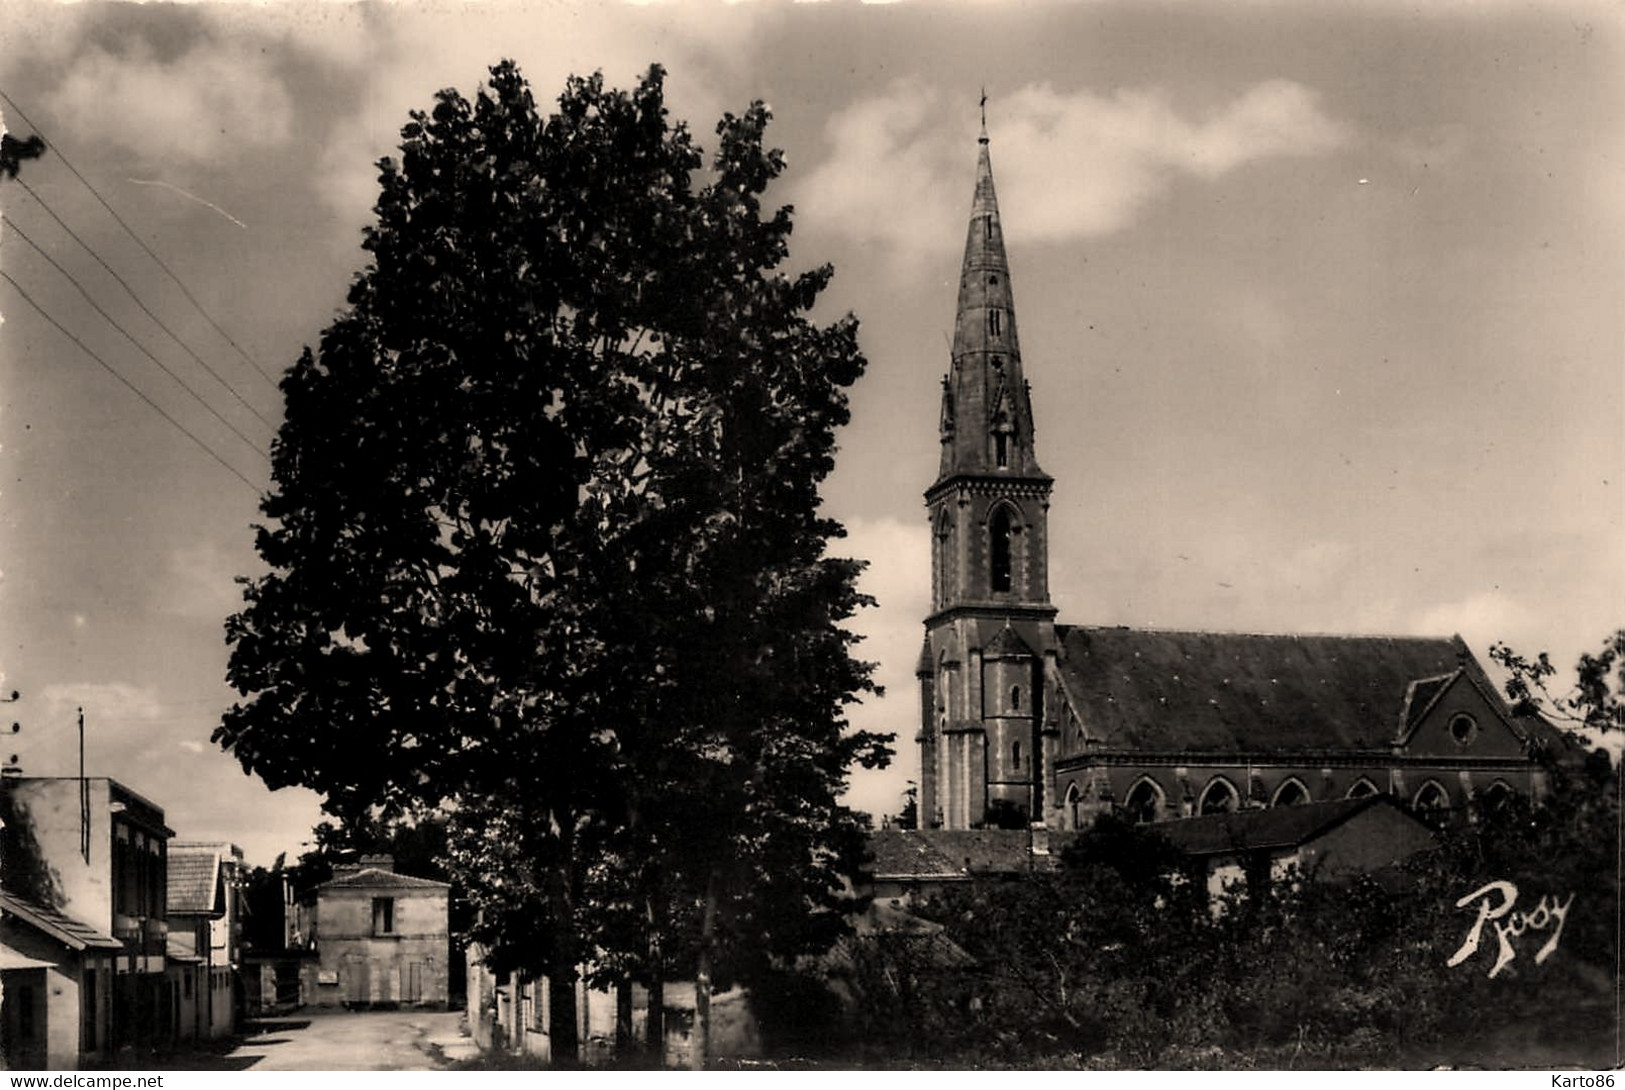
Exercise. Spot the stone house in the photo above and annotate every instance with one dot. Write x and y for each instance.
(382, 939)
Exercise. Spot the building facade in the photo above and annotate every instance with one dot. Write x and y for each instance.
(383, 939)
(1027, 720)
(205, 903)
(83, 921)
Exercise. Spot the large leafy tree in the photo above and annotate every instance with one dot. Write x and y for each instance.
(544, 546)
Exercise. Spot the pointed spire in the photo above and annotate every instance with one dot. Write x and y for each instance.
(992, 430)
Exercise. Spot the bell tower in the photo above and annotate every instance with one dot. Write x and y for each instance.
(991, 628)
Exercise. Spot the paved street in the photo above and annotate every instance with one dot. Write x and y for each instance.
(344, 1040)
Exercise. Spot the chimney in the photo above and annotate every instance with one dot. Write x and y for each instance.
(378, 862)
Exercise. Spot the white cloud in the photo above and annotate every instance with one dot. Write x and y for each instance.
(898, 577)
(107, 701)
(1073, 164)
(197, 107)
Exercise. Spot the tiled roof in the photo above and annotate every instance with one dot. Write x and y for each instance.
(1214, 692)
(64, 929)
(1251, 830)
(194, 875)
(949, 853)
(373, 878)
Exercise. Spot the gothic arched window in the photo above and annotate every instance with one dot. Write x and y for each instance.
(999, 565)
(1290, 793)
(1015, 755)
(1432, 802)
(1362, 788)
(1015, 698)
(1219, 797)
(1143, 802)
(1495, 796)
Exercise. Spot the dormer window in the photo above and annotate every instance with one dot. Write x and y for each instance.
(995, 322)
(987, 227)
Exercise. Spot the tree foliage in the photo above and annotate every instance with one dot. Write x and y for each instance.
(545, 548)
(1597, 698)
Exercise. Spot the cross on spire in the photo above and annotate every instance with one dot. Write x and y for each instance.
(984, 115)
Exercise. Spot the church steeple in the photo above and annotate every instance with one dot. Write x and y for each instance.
(985, 744)
(987, 411)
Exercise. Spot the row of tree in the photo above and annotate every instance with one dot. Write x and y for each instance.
(544, 548)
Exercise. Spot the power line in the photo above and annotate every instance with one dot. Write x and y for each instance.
(129, 231)
(18, 288)
(20, 233)
(144, 308)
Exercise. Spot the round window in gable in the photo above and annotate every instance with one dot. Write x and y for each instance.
(1463, 728)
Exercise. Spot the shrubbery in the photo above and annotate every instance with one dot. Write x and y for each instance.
(1116, 960)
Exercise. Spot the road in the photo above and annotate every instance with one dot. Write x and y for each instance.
(412, 1040)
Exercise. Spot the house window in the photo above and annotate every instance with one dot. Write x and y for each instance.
(383, 915)
(1000, 552)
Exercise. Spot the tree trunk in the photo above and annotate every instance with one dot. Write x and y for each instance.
(624, 1042)
(564, 1044)
(654, 1026)
(700, 1052)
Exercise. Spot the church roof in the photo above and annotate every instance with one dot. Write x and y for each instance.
(1254, 830)
(1220, 692)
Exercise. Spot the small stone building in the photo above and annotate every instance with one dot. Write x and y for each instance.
(1336, 839)
(383, 939)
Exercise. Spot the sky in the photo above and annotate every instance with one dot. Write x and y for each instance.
(1320, 305)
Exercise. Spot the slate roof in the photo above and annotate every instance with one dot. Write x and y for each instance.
(1252, 830)
(949, 853)
(64, 929)
(1218, 692)
(374, 878)
(194, 882)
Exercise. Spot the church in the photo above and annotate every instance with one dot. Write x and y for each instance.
(1026, 721)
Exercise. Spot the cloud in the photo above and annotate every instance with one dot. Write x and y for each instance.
(107, 701)
(898, 577)
(205, 104)
(200, 583)
(1074, 165)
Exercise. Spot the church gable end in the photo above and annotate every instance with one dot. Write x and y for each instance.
(1460, 721)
